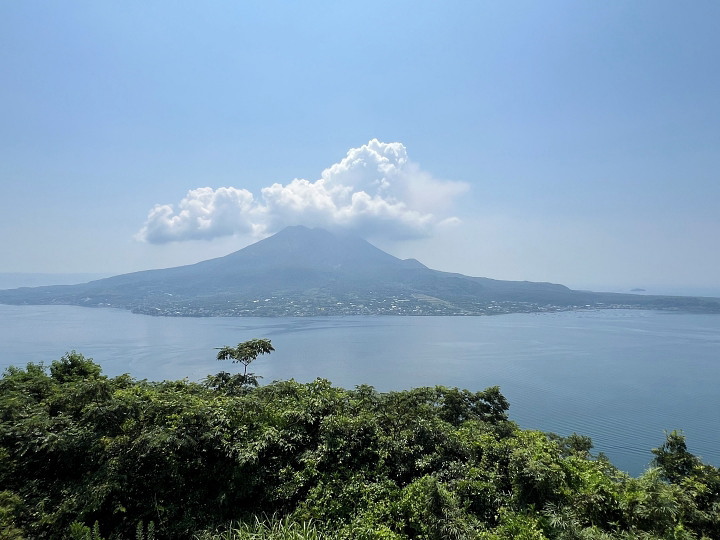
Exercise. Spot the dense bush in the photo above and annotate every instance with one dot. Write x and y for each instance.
(87, 456)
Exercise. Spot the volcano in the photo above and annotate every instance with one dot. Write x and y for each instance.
(301, 271)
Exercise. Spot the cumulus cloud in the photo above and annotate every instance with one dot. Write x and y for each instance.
(375, 191)
(203, 214)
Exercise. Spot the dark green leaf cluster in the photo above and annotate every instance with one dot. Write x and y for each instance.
(288, 460)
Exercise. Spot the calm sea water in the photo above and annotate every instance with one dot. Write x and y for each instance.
(621, 377)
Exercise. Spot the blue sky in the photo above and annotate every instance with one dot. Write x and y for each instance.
(564, 141)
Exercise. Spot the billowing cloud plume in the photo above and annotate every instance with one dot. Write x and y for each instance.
(375, 191)
(203, 214)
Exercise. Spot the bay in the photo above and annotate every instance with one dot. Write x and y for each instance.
(623, 377)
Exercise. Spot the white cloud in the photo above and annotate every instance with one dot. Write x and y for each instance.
(375, 191)
(203, 214)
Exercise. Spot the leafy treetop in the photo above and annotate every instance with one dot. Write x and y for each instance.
(244, 353)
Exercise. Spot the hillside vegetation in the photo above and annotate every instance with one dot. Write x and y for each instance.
(83, 455)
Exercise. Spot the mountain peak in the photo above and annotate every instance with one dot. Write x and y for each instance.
(301, 271)
(317, 249)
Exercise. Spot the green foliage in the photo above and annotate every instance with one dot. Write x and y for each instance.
(141, 533)
(10, 505)
(74, 367)
(178, 459)
(433, 512)
(516, 526)
(673, 459)
(273, 528)
(230, 384)
(80, 531)
(244, 354)
(573, 444)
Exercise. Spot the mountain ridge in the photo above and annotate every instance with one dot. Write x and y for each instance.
(301, 271)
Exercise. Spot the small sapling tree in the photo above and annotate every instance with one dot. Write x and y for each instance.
(244, 354)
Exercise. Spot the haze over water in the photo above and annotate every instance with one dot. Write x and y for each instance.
(621, 377)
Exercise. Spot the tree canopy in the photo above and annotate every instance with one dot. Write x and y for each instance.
(245, 353)
(83, 455)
